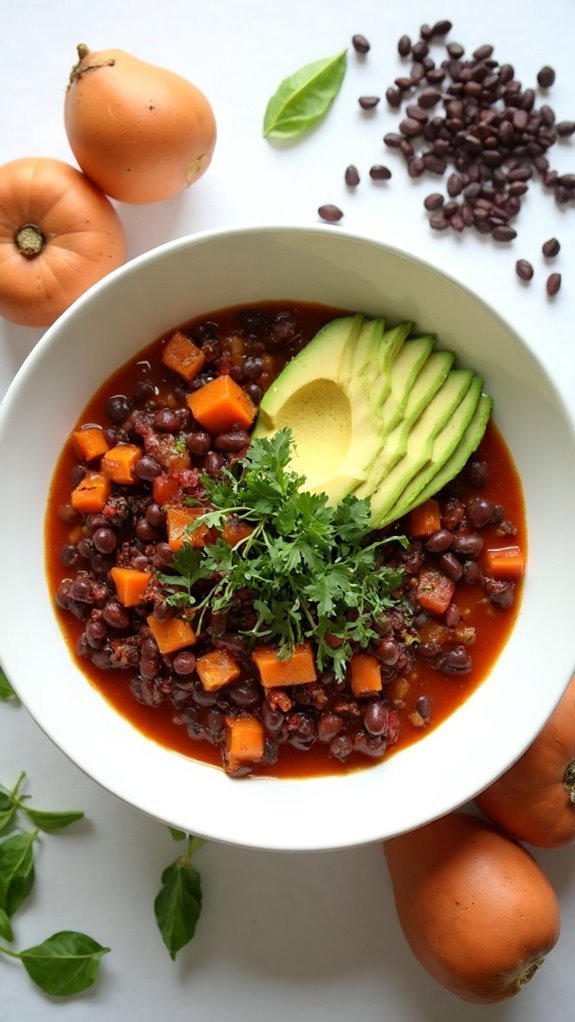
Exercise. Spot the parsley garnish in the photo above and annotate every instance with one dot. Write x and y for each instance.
(308, 565)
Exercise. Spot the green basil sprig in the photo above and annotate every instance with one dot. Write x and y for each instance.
(6, 690)
(178, 904)
(304, 98)
(48, 820)
(65, 964)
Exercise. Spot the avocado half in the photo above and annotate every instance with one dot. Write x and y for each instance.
(376, 413)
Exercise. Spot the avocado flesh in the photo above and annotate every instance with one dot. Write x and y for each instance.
(419, 444)
(430, 378)
(467, 445)
(404, 372)
(389, 348)
(446, 442)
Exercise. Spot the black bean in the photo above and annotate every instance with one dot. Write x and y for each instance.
(428, 98)
(379, 172)
(213, 463)
(501, 594)
(504, 233)
(553, 284)
(388, 651)
(415, 166)
(439, 542)
(144, 391)
(163, 555)
(166, 421)
(118, 407)
(404, 46)
(330, 213)
(155, 515)
(145, 532)
(368, 102)
(455, 50)
(375, 718)
(254, 392)
(393, 97)
(184, 663)
(565, 128)
(424, 706)
(438, 222)
(360, 44)
(245, 692)
(469, 544)
(551, 248)
(104, 540)
(233, 441)
(455, 661)
(115, 615)
(147, 468)
(198, 443)
(393, 140)
(433, 201)
(452, 616)
(451, 566)
(410, 127)
(524, 269)
(341, 747)
(546, 77)
(351, 176)
(272, 718)
(480, 512)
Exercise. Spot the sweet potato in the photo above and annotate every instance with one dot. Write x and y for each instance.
(171, 635)
(90, 495)
(182, 527)
(297, 669)
(434, 590)
(130, 584)
(244, 741)
(119, 462)
(425, 519)
(181, 355)
(365, 674)
(220, 404)
(216, 669)
(506, 562)
(89, 443)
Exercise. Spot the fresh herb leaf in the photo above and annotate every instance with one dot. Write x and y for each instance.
(178, 835)
(178, 904)
(6, 931)
(50, 821)
(304, 98)
(16, 870)
(8, 810)
(63, 965)
(310, 566)
(6, 690)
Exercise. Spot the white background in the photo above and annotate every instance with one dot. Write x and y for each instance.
(281, 936)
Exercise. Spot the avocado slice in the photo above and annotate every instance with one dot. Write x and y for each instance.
(389, 348)
(467, 445)
(361, 351)
(430, 378)
(419, 444)
(404, 372)
(446, 442)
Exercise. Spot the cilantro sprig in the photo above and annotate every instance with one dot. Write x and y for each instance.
(309, 565)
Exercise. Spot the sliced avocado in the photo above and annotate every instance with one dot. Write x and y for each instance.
(420, 444)
(318, 361)
(404, 372)
(467, 445)
(360, 352)
(444, 445)
(390, 346)
(430, 378)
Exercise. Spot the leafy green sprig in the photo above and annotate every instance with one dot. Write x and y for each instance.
(66, 963)
(6, 690)
(178, 904)
(308, 564)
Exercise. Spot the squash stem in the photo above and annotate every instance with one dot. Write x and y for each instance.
(528, 973)
(30, 241)
(569, 781)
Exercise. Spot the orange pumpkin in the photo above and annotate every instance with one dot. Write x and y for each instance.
(535, 798)
(142, 133)
(58, 235)
(475, 908)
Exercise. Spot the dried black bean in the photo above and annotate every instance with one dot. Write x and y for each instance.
(368, 102)
(524, 269)
(553, 284)
(504, 233)
(393, 97)
(360, 43)
(379, 172)
(551, 248)
(351, 176)
(404, 46)
(546, 77)
(565, 128)
(330, 213)
(433, 201)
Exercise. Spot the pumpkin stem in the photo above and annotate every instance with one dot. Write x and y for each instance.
(30, 241)
(528, 972)
(569, 781)
(81, 68)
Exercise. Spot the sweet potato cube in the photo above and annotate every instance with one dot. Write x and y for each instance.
(119, 462)
(235, 531)
(244, 741)
(89, 443)
(181, 355)
(130, 584)
(216, 669)
(425, 519)
(221, 404)
(365, 674)
(434, 591)
(275, 672)
(91, 494)
(171, 635)
(182, 528)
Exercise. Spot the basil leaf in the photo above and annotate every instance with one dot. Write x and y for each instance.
(8, 810)
(65, 964)
(178, 905)
(178, 835)
(304, 98)
(51, 820)
(6, 690)
(6, 931)
(16, 870)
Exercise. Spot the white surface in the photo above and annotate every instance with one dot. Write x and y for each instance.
(280, 936)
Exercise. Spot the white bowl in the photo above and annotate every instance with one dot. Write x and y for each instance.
(111, 323)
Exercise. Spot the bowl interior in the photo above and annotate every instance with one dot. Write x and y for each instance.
(113, 322)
